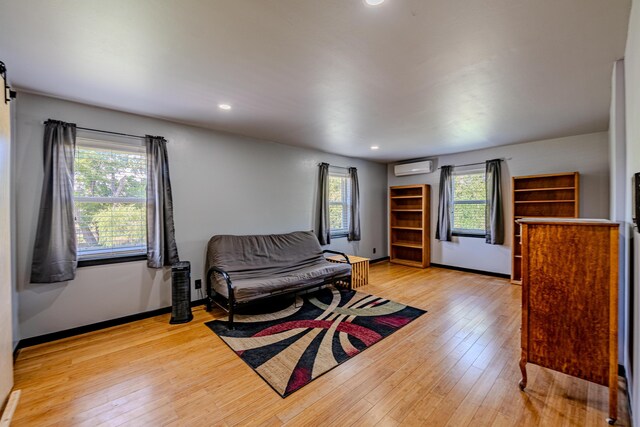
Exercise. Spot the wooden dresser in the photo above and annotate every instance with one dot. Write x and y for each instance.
(570, 299)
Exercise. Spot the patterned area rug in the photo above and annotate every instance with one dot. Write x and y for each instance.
(315, 333)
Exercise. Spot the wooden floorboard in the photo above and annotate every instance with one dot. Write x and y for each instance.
(457, 365)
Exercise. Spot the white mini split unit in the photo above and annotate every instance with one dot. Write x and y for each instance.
(413, 168)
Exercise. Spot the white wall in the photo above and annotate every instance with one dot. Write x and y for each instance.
(632, 101)
(587, 154)
(221, 183)
(6, 283)
(618, 190)
(14, 281)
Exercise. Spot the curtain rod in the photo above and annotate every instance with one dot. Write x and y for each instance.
(334, 166)
(109, 132)
(477, 163)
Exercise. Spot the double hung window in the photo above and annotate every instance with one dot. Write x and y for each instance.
(339, 204)
(469, 203)
(110, 199)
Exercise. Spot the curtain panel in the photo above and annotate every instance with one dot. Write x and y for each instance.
(494, 221)
(161, 241)
(354, 225)
(445, 204)
(324, 230)
(55, 251)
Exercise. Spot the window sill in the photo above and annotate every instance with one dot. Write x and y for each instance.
(339, 235)
(114, 260)
(477, 236)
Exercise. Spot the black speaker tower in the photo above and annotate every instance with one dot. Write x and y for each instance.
(181, 292)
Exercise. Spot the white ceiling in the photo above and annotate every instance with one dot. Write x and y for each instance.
(416, 77)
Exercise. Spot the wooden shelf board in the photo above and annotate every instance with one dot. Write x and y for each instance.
(544, 189)
(407, 244)
(406, 197)
(517, 256)
(545, 201)
(542, 216)
(407, 228)
(406, 262)
(406, 210)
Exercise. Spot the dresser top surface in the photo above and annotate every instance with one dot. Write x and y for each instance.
(571, 221)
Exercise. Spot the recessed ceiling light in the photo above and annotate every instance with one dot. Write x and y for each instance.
(374, 147)
(374, 2)
(224, 106)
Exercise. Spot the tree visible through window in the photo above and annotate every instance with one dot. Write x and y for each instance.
(110, 199)
(339, 204)
(469, 201)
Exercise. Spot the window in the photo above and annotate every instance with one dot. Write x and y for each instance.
(469, 202)
(339, 204)
(110, 199)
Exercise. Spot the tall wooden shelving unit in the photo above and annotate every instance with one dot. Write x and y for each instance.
(549, 196)
(409, 225)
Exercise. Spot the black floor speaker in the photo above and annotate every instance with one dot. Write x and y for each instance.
(181, 292)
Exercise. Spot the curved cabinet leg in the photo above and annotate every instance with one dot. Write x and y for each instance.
(523, 369)
(613, 395)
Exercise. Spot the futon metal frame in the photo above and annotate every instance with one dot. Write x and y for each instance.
(230, 304)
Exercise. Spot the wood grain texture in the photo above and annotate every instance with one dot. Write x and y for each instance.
(569, 300)
(410, 225)
(359, 269)
(548, 195)
(457, 365)
(6, 280)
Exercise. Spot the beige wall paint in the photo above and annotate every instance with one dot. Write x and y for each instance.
(6, 286)
(587, 154)
(222, 184)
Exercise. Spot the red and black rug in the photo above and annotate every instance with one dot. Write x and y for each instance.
(315, 333)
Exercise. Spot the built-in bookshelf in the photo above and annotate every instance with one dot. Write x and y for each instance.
(409, 225)
(551, 195)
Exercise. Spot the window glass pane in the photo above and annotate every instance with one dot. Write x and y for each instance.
(469, 187)
(111, 228)
(335, 217)
(335, 189)
(110, 202)
(339, 199)
(469, 216)
(105, 173)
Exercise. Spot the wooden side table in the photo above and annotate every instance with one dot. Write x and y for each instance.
(359, 269)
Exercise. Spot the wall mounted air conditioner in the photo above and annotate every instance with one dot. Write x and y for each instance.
(413, 168)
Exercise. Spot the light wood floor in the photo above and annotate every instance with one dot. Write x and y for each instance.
(457, 365)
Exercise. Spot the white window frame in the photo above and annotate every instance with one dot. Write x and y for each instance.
(465, 231)
(111, 253)
(345, 202)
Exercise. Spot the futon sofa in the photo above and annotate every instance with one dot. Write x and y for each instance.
(246, 269)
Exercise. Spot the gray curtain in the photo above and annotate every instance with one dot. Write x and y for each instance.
(324, 231)
(354, 226)
(443, 229)
(55, 252)
(494, 221)
(161, 239)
